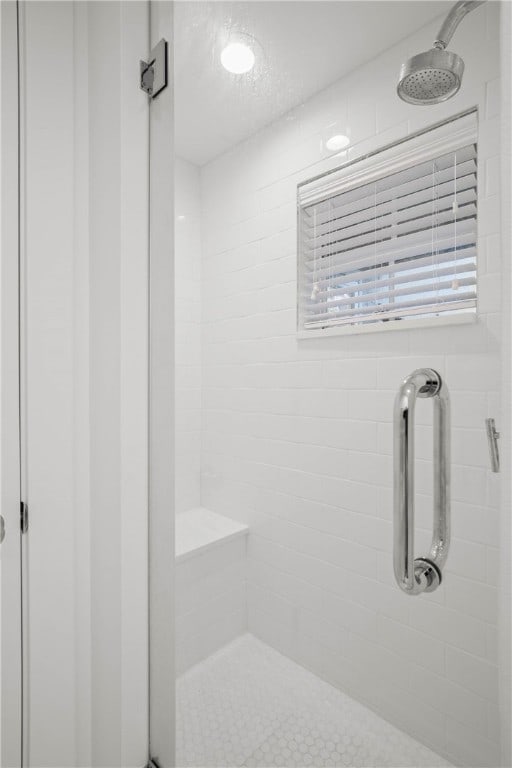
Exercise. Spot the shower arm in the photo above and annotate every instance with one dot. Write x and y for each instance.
(453, 20)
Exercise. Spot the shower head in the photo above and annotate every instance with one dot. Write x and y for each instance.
(430, 77)
(436, 75)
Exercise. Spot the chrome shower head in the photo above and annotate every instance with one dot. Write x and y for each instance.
(436, 75)
(430, 77)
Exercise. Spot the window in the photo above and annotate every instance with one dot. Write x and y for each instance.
(391, 236)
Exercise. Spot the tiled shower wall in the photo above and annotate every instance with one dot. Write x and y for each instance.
(187, 335)
(297, 435)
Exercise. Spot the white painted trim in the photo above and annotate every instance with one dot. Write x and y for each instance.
(392, 325)
(389, 160)
(10, 667)
(133, 404)
(81, 385)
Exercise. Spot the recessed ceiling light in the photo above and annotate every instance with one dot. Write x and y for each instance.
(337, 142)
(237, 58)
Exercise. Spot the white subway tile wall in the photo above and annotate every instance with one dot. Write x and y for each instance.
(297, 435)
(187, 335)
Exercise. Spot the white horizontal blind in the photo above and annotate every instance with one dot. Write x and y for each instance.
(402, 245)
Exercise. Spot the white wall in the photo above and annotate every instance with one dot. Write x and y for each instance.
(47, 247)
(188, 334)
(297, 435)
(85, 281)
(117, 187)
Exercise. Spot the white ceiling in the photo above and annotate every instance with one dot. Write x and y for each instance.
(302, 47)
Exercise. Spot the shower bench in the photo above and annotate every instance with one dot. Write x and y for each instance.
(211, 607)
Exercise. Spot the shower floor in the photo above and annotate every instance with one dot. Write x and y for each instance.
(247, 705)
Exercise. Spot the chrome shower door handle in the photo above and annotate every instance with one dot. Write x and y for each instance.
(421, 574)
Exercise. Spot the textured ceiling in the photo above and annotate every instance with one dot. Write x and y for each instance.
(301, 48)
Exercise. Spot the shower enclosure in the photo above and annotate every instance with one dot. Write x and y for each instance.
(255, 421)
(338, 249)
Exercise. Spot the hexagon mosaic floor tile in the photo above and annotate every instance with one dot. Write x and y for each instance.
(249, 706)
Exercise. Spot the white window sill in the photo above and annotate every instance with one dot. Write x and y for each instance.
(391, 325)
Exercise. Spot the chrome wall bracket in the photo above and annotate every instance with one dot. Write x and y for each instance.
(421, 574)
(153, 72)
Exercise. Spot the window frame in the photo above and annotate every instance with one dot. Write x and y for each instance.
(443, 137)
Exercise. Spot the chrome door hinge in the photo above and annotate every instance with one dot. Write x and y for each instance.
(23, 517)
(153, 72)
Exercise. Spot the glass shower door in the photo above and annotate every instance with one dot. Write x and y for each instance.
(331, 240)
(161, 401)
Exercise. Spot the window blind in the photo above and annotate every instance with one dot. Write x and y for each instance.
(402, 245)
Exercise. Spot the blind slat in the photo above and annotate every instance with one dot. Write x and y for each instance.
(426, 222)
(399, 313)
(364, 209)
(418, 244)
(414, 211)
(385, 296)
(397, 279)
(397, 182)
(397, 307)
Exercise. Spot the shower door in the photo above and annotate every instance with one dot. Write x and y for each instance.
(161, 401)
